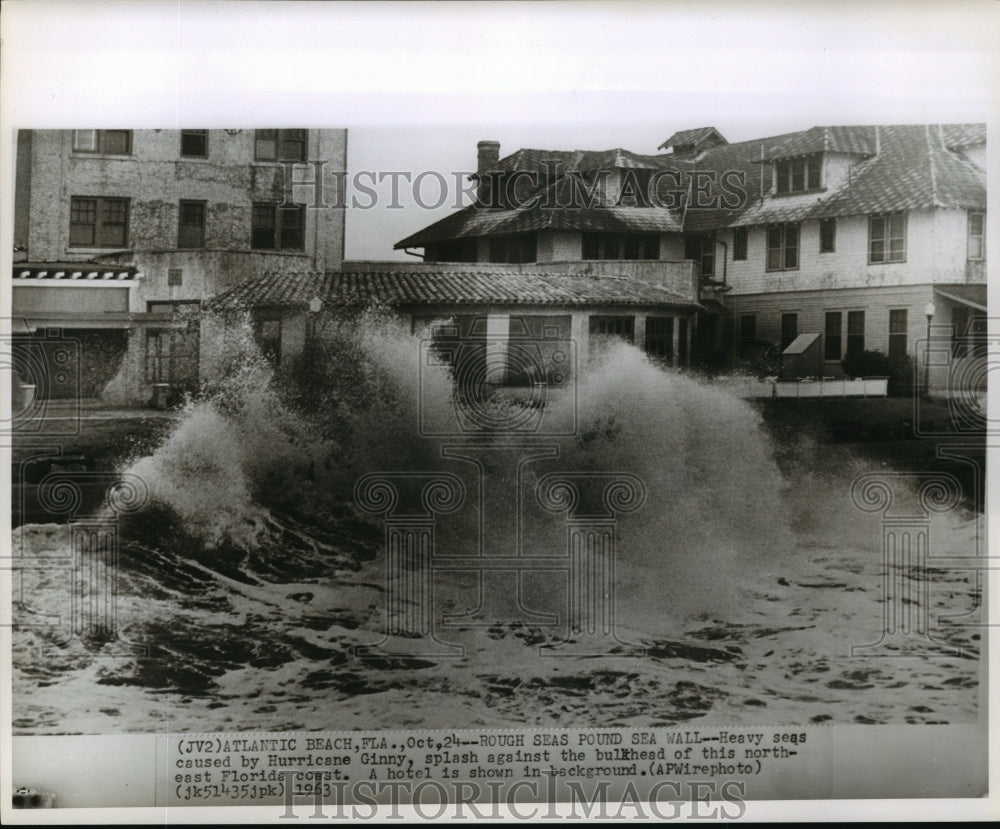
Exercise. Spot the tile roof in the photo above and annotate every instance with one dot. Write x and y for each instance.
(964, 135)
(899, 168)
(913, 170)
(349, 289)
(476, 221)
(853, 140)
(685, 138)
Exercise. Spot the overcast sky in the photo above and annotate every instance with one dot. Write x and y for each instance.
(418, 85)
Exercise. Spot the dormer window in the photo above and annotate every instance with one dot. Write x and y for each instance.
(797, 175)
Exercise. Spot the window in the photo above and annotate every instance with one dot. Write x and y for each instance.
(789, 329)
(739, 244)
(748, 329)
(98, 222)
(783, 247)
(623, 327)
(832, 346)
(977, 236)
(269, 338)
(103, 142)
(855, 332)
(701, 248)
(280, 145)
(194, 143)
(660, 337)
(797, 175)
(453, 250)
(172, 353)
(897, 334)
(621, 246)
(191, 225)
(887, 238)
(516, 248)
(175, 277)
(278, 228)
(827, 235)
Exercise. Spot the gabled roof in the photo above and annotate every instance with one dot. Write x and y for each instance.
(687, 138)
(352, 289)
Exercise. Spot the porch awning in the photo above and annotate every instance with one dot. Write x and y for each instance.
(974, 296)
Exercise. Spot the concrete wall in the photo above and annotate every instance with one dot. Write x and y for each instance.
(936, 249)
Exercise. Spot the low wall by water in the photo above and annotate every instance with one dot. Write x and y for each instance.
(825, 387)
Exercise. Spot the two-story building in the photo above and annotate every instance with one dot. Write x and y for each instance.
(821, 242)
(859, 238)
(119, 234)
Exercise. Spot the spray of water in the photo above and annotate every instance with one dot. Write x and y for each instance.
(255, 570)
(254, 445)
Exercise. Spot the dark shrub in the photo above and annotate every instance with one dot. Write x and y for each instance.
(899, 370)
(761, 359)
(866, 364)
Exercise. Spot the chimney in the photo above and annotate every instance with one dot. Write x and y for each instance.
(487, 159)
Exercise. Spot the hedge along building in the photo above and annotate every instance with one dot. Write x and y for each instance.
(119, 235)
(845, 236)
(505, 311)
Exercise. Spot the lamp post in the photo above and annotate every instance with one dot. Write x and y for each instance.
(929, 310)
(315, 306)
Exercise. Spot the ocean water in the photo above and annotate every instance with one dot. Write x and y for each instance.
(249, 582)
